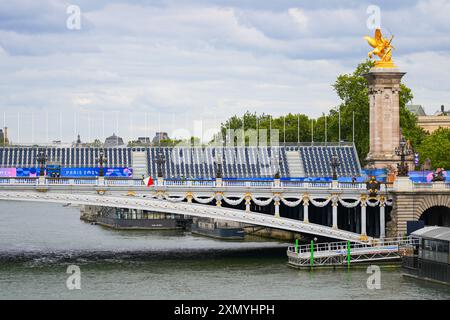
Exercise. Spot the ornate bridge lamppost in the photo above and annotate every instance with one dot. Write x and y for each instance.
(101, 160)
(42, 160)
(373, 186)
(160, 162)
(403, 150)
(334, 163)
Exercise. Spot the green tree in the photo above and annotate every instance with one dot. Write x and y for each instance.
(287, 125)
(96, 144)
(436, 147)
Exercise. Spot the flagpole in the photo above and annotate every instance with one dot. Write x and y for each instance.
(284, 130)
(312, 131)
(257, 131)
(298, 129)
(353, 132)
(326, 131)
(229, 134)
(243, 128)
(339, 125)
(270, 126)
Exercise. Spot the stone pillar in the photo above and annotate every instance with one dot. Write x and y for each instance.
(363, 220)
(384, 115)
(218, 199)
(41, 180)
(403, 184)
(277, 208)
(334, 206)
(189, 197)
(247, 205)
(276, 183)
(248, 201)
(305, 211)
(334, 184)
(382, 220)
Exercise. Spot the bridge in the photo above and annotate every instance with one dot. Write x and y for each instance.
(192, 198)
(255, 202)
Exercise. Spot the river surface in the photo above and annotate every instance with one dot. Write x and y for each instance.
(38, 242)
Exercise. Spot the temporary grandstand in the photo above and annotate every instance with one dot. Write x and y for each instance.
(299, 161)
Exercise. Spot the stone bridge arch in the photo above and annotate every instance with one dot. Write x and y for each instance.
(409, 205)
(426, 202)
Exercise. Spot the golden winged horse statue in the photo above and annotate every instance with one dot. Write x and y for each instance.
(382, 48)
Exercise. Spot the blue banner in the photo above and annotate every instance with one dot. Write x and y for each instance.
(73, 172)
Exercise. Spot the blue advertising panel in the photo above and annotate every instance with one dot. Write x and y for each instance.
(94, 172)
(27, 172)
(425, 176)
(68, 172)
(7, 172)
(119, 172)
(79, 172)
(379, 174)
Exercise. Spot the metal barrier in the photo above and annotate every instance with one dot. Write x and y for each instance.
(342, 253)
(342, 245)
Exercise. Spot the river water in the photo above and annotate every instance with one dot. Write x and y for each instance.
(38, 242)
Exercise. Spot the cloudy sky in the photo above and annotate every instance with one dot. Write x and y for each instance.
(136, 67)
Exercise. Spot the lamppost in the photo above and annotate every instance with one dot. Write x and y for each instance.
(373, 187)
(160, 162)
(101, 160)
(41, 159)
(403, 150)
(335, 163)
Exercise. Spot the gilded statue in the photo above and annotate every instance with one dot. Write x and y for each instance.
(382, 49)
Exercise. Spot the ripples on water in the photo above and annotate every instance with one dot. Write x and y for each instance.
(38, 242)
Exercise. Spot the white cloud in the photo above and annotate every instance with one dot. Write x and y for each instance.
(300, 18)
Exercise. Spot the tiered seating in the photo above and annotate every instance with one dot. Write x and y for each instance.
(317, 161)
(237, 162)
(24, 157)
(197, 162)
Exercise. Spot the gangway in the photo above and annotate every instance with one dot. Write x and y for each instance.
(345, 254)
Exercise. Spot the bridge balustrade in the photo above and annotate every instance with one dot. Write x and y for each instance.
(175, 183)
(261, 183)
(311, 184)
(64, 181)
(232, 183)
(351, 185)
(122, 182)
(422, 185)
(206, 183)
(197, 183)
(18, 180)
(85, 181)
(300, 184)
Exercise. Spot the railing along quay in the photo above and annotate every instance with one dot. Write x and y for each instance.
(333, 254)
